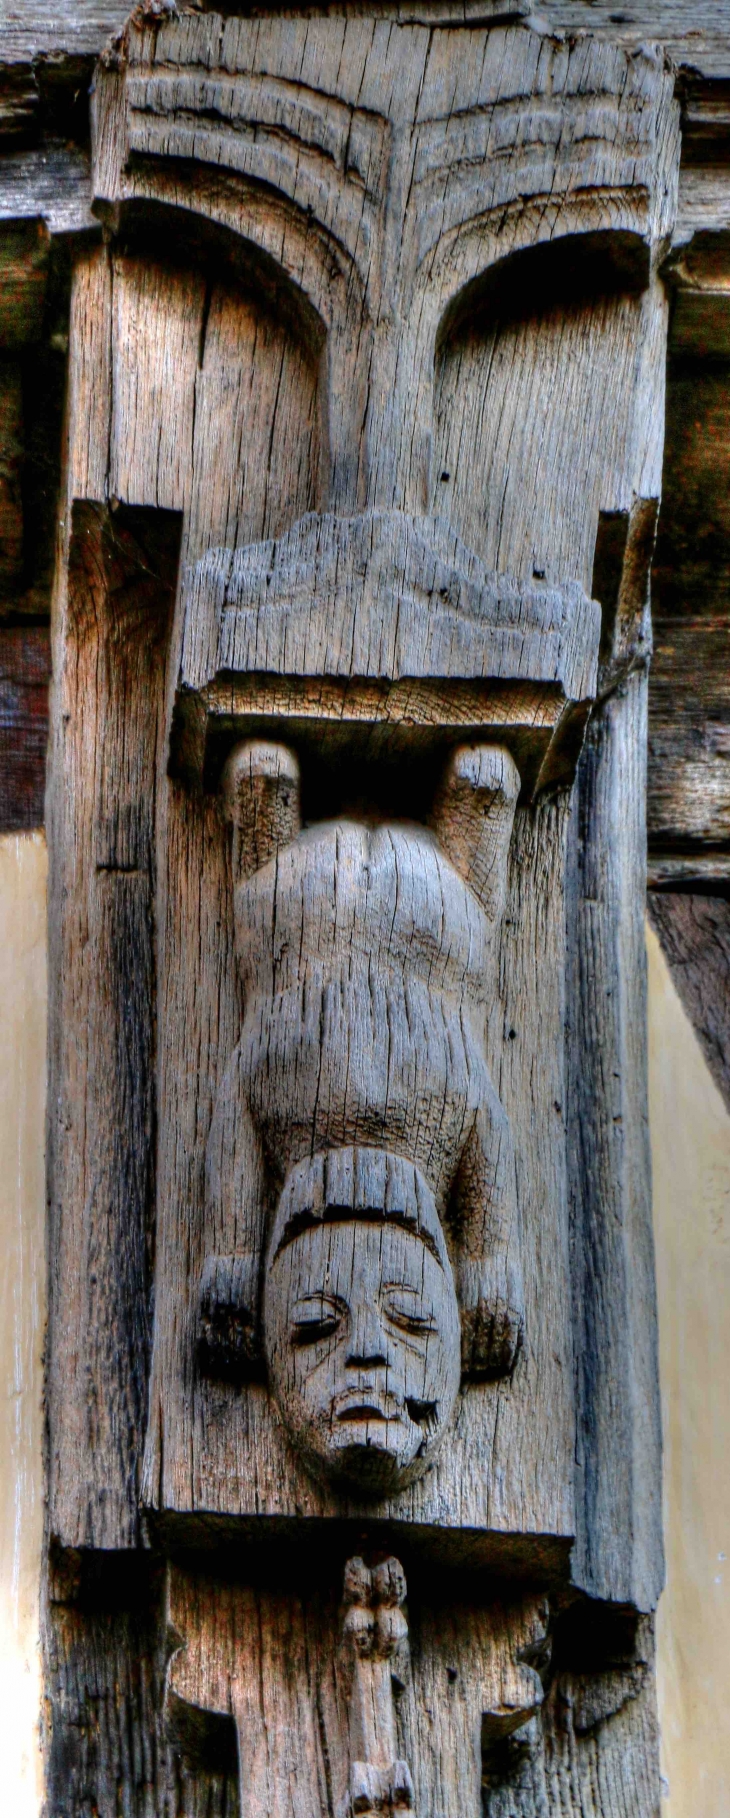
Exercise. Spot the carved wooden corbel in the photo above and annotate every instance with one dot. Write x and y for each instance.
(371, 354)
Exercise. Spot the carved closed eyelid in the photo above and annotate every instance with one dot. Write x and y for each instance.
(408, 1311)
(309, 1305)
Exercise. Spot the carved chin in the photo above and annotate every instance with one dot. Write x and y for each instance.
(369, 1455)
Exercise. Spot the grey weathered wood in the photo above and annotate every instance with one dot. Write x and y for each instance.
(152, 405)
(50, 184)
(38, 29)
(388, 1115)
(618, 1552)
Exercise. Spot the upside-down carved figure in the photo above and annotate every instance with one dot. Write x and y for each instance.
(362, 1224)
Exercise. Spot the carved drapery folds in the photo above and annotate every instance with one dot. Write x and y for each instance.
(374, 339)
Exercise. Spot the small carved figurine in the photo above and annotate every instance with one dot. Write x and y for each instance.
(362, 1222)
(375, 1636)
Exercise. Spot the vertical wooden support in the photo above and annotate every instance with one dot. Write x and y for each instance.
(618, 1554)
(111, 647)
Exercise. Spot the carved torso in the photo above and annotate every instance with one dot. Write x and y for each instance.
(365, 963)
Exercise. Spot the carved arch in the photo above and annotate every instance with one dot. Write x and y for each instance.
(518, 340)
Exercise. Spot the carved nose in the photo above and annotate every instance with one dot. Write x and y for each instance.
(367, 1341)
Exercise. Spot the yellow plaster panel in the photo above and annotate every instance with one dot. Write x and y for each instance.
(690, 1139)
(22, 1310)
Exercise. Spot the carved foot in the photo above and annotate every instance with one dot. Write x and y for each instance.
(260, 797)
(376, 1791)
(473, 815)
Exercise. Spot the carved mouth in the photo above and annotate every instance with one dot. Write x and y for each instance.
(364, 1404)
(355, 1409)
(362, 1411)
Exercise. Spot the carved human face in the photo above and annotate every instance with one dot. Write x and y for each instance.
(363, 1344)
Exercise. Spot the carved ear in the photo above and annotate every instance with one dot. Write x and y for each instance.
(260, 797)
(472, 818)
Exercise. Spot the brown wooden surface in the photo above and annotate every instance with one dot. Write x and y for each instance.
(689, 706)
(24, 677)
(110, 635)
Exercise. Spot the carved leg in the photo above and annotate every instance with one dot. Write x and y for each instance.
(487, 1224)
(230, 1283)
(260, 797)
(473, 815)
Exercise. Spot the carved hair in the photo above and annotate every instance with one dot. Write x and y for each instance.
(358, 1183)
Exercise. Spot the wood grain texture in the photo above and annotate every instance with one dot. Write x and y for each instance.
(689, 738)
(39, 29)
(24, 677)
(360, 1082)
(396, 241)
(689, 724)
(33, 324)
(157, 331)
(273, 1663)
(111, 628)
(242, 1462)
(128, 1715)
(619, 1548)
(106, 1660)
(50, 183)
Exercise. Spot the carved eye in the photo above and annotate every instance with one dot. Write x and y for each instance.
(316, 1317)
(405, 1308)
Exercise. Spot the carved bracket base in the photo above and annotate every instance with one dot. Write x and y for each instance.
(344, 1707)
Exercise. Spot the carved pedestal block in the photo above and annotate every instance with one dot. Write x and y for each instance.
(363, 376)
(338, 1703)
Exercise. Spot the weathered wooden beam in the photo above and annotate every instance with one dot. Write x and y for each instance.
(24, 678)
(39, 29)
(111, 639)
(618, 1552)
